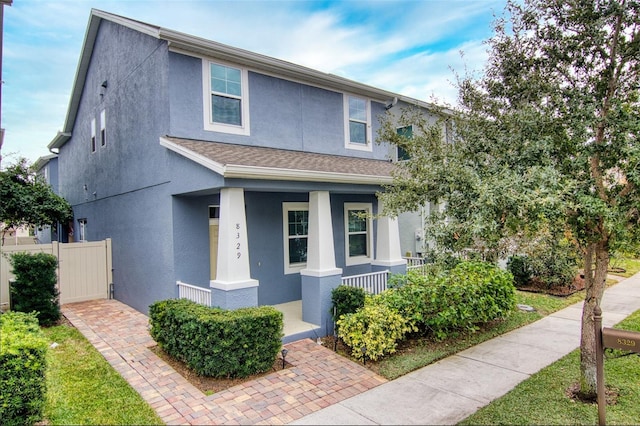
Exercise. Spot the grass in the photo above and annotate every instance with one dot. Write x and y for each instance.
(82, 388)
(542, 399)
(418, 352)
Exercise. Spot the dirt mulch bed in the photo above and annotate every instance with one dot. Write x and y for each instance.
(537, 286)
(211, 385)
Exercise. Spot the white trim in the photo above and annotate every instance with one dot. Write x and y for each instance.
(318, 273)
(368, 146)
(233, 285)
(244, 129)
(286, 208)
(358, 260)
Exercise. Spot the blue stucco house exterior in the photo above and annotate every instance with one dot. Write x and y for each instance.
(223, 168)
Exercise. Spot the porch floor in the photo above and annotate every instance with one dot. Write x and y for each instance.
(292, 313)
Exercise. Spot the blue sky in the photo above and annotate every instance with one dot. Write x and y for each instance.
(408, 47)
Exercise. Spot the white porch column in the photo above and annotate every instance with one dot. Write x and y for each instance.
(233, 286)
(388, 252)
(320, 276)
(321, 258)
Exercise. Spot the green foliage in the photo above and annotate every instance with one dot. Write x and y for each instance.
(546, 137)
(216, 342)
(520, 268)
(23, 351)
(346, 300)
(555, 263)
(27, 199)
(34, 289)
(373, 331)
(472, 293)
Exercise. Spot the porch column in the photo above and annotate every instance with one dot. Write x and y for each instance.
(388, 252)
(320, 276)
(233, 287)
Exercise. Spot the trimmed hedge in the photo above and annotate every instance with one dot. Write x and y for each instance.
(34, 289)
(216, 342)
(346, 300)
(472, 293)
(23, 351)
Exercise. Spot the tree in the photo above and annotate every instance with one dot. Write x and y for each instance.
(545, 140)
(26, 199)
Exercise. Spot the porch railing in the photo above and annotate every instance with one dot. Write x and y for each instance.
(194, 293)
(374, 282)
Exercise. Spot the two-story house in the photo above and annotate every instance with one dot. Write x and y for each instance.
(224, 169)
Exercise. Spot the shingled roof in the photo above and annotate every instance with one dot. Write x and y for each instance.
(253, 162)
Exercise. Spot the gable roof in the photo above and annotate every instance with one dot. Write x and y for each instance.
(252, 162)
(202, 47)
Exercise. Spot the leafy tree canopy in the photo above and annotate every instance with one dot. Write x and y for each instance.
(27, 199)
(545, 139)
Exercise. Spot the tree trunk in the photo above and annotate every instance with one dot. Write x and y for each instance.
(595, 282)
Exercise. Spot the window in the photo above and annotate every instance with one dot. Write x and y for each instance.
(103, 128)
(93, 135)
(296, 230)
(82, 229)
(226, 98)
(357, 123)
(358, 240)
(405, 132)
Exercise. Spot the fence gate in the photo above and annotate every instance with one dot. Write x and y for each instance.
(84, 269)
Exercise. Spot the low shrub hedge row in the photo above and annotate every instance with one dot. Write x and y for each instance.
(470, 294)
(23, 351)
(216, 342)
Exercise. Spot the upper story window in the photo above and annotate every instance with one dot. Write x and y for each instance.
(103, 128)
(358, 238)
(406, 132)
(296, 233)
(226, 98)
(93, 135)
(357, 123)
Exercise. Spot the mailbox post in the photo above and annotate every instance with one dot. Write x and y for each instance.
(614, 339)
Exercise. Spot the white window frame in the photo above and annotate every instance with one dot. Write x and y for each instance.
(209, 124)
(291, 268)
(103, 128)
(368, 146)
(93, 142)
(82, 230)
(358, 260)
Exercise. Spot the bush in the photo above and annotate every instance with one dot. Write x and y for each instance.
(34, 289)
(346, 300)
(520, 268)
(217, 342)
(373, 331)
(23, 351)
(554, 262)
(471, 293)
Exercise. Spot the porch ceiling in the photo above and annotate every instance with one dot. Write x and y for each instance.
(252, 162)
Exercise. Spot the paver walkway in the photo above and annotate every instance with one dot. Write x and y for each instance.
(318, 378)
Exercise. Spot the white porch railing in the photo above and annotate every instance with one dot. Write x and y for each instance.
(194, 293)
(374, 282)
(415, 263)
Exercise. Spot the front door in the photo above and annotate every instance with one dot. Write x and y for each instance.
(214, 228)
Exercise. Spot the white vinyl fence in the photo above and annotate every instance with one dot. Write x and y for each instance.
(84, 269)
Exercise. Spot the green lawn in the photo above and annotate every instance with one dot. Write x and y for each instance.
(542, 399)
(421, 351)
(82, 388)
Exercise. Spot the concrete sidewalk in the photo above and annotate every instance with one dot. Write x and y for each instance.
(450, 390)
